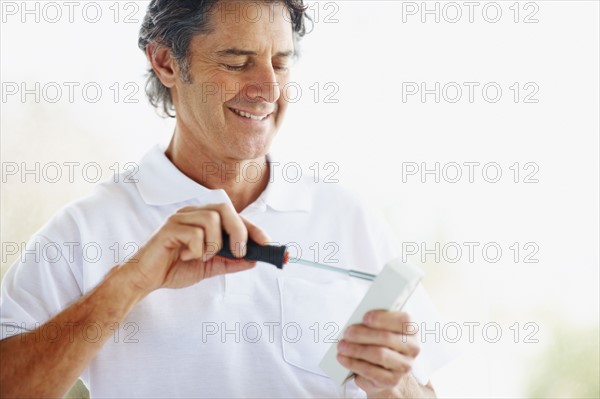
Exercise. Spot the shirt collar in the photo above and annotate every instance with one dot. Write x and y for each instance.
(161, 183)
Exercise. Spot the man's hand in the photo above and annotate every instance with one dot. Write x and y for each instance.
(381, 351)
(181, 253)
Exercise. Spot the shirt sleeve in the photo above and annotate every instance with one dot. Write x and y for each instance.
(42, 281)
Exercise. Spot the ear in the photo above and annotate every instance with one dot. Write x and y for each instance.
(162, 64)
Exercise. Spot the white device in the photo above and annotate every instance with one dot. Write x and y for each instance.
(390, 290)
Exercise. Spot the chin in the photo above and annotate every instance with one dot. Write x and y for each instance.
(251, 148)
(250, 151)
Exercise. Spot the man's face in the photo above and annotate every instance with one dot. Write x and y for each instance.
(235, 104)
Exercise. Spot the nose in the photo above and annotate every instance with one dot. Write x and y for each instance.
(264, 86)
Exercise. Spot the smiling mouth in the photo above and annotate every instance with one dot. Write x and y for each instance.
(254, 117)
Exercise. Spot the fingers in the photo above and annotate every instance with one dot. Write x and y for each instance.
(193, 238)
(381, 350)
(233, 225)
(256, 233)
(376, 355)
(212, 220)
(377, 376)
(405, 344)
(398, 322)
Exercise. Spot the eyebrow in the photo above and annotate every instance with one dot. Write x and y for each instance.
(236, 52)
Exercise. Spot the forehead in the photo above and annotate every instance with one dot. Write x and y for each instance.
(245, 23)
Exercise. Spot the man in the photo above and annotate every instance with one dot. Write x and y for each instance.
(173, 320)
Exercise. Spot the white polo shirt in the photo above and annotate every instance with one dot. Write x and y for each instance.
(257, 333)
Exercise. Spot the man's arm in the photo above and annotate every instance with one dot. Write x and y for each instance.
(180, 254)
(34, 366)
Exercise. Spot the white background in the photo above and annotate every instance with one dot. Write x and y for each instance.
(369, 51)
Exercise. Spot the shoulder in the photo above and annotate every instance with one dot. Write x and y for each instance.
(337, 199)
(356, 217)
(108, 200)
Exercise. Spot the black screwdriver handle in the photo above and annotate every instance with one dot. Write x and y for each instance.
(273, 254)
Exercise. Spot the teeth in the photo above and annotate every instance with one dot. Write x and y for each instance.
(250, 116)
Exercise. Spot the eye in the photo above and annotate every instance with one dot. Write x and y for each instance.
(236, 68)
(280, 68)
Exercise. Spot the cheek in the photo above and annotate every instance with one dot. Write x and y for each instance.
(226, 88)
(282, 108)
(211, 88)
(229, 90)
(282, 105)
(195, 97)
(201, 106)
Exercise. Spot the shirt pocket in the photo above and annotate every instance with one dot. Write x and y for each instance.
(313, 314)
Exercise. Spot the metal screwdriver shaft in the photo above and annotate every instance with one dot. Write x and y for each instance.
(352, 273)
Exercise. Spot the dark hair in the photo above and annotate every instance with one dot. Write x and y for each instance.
(173, 24)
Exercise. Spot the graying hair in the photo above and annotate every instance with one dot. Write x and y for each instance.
(173, 24)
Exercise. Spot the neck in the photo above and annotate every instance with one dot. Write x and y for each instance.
(242, 180)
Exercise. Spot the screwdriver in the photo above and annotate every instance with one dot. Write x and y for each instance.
(351, 273)
(279, 256)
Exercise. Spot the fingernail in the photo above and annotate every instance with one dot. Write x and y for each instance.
(342, 346)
